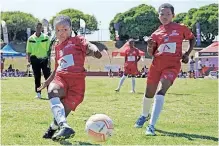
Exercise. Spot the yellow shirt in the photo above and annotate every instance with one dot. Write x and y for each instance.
(38, 46)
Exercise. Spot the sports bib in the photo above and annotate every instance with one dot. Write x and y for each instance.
(131, 58)
(65, 61)
(167, 47)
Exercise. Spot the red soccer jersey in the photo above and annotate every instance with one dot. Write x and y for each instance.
(131, 56)
(70, 56)
(169, 40)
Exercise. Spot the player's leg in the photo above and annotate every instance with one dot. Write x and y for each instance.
(152, 83)
(133, 84)
(74, 97)
(167, 78)
(56, 91)
(121, 81)
(193, 73)
(54, 126)
(37, 74)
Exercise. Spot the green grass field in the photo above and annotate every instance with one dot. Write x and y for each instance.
(189, 117)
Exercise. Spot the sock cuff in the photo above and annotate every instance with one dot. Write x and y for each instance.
(159, 97)
(55, 100)
(147, 99)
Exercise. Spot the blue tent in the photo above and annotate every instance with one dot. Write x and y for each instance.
(8, 51)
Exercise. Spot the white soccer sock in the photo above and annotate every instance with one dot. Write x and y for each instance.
(146, 106)
(156, 110)
(121, 81)
(58, 111)
(133, 83)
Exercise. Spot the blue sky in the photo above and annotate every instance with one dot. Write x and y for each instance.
(103, 10)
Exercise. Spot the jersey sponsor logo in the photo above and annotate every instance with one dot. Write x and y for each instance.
(65, 62)
(166, 38)
(174, 33)
(167, 47)
(69, 45)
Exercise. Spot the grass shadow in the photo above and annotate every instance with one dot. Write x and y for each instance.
(44, 98)
(185, 135)
(180, 94)
(76, 143)
(140, 93)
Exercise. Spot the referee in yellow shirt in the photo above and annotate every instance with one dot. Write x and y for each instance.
(38, 55)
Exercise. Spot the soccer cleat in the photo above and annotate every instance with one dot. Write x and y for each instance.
(150, 131)
(117, 90)
(49, 133)
(141, 120)
(132, 91)
(63, 133)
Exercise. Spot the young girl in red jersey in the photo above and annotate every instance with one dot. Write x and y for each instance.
(67, 82)
(165, 45)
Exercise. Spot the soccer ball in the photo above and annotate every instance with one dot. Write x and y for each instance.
(99, 127)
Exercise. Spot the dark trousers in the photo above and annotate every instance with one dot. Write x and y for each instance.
(37, 65)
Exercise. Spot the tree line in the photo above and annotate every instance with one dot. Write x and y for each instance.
(136, 23)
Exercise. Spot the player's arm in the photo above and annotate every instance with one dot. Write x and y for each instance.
(28, 50)
(191, 45)
(93, 51)
(138, 56)
(151, 44)
(188, 35)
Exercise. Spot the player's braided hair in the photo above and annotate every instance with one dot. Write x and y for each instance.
(166, 5)
(62, 19)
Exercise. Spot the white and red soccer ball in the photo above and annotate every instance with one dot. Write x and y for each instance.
(99, 127)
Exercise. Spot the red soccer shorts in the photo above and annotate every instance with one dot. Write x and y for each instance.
(163, 69)
(131, 69)
(74, 89)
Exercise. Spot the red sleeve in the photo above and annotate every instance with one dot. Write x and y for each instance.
(154, 37)
(188, 35)
(83, 42)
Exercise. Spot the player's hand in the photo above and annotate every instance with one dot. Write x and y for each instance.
(97, 54)
(150, 45)
(43, 85)
(185, 58)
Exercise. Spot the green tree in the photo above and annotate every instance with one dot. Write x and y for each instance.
(76, 15)
(207, 16)
(137, 22)
(17, 22)
(179, 17)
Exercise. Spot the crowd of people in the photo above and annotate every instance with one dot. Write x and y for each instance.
(13, 72)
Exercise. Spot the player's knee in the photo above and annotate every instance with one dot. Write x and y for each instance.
(161, 92)
(54, 91)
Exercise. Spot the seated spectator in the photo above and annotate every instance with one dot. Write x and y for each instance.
(110, 73)
(10, 68)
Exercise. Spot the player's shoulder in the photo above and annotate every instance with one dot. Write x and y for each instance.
(180, 25)
(136, 49)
